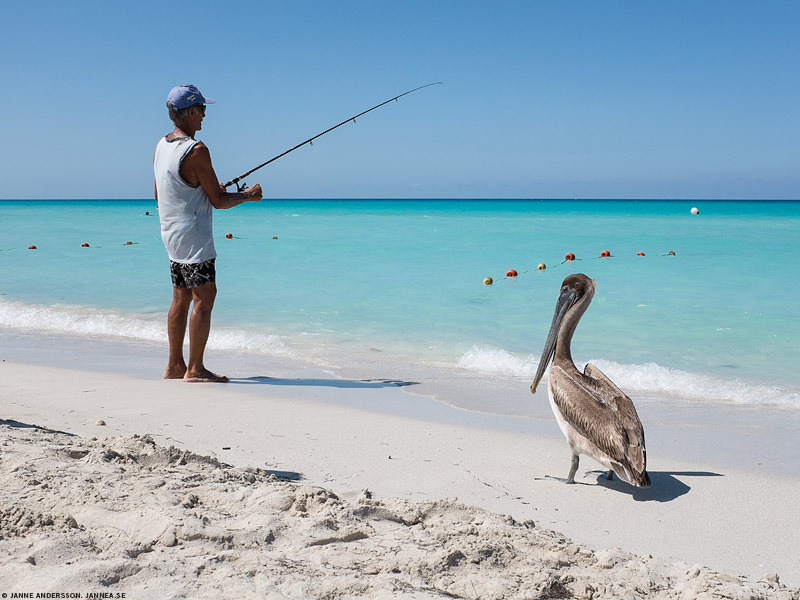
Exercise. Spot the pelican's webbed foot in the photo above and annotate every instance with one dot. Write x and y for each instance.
(573, 469)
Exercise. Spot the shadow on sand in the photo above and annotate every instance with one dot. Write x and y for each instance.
(665, 485)
(20, 425)
(335, 383)
(284, 475)
(280, 475)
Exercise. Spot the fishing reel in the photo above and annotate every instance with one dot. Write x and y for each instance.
(240, 187)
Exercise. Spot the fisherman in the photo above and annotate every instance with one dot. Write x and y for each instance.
(186, 190)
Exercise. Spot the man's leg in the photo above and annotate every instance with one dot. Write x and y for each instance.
(199, 327)
(176, 331)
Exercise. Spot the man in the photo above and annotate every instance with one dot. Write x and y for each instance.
(186, 190)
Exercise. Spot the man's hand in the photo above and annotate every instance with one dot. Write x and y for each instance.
(225, 199)
(253, 192)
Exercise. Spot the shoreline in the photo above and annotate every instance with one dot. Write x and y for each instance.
(709, 504)
(757, 438)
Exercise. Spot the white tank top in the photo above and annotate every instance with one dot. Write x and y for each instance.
(184, 210)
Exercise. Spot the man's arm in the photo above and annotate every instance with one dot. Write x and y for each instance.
(197, 169)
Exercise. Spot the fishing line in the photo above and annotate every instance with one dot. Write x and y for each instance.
(310, 140)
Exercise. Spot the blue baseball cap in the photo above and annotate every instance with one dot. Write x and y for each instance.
(184, 96)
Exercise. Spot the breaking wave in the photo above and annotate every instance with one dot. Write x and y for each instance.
(76, 320)
(643, 379)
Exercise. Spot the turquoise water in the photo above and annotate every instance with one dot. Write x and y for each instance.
(401, 283)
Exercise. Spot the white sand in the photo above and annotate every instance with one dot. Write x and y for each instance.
(125, 513)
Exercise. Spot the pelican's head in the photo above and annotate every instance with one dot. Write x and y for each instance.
(576, 289)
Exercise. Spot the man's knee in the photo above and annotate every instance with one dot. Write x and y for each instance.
(181, 298)
(204, 296)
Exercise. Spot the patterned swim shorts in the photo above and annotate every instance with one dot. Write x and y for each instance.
(191, 275)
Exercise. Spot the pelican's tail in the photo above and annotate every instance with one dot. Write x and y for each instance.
(636, 478)
(645, 480)
(641, 479)
(633, 472)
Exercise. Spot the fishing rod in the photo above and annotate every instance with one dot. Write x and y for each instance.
(310, 141)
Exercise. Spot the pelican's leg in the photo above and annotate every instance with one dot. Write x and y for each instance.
(610, 476)
(573, 469)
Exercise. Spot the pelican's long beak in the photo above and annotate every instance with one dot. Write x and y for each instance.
(566, 299)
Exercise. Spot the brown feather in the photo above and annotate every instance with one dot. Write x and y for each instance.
(626, 413)
(604, 415)
(587, 412)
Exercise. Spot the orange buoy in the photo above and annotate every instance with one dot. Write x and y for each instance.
(31, 247)
(569, 256)
(129, 243)
(488, 281)
(640, 254)
(541, 267)
(229, 236)
(274, 237)
(85, 245)
(605, 254)
(511, 273)
(671, 253)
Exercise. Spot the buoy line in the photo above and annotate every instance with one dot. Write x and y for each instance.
(568, 257)
(229, 236)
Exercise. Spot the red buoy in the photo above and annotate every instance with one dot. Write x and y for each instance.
(569, 256)
(229, 236)
(31, 247)
(511, 273)
(640, 254)
(605, 254)
(85, 245)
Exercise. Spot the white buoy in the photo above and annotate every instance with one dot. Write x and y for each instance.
(695, 210)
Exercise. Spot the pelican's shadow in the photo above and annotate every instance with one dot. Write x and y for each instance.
(665, 485)
(315, 382)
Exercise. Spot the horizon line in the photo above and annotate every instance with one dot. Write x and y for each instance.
(403, 198)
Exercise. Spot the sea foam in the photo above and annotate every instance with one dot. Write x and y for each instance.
(77, 320)
(646, 379)
(642, 379)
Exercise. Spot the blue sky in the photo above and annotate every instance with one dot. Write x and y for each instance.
(679, 99)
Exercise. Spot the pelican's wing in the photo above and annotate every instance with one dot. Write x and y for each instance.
(625, 411)
(584, 407)
(620, 403)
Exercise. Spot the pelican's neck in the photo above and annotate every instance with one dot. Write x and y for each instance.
(563, 352)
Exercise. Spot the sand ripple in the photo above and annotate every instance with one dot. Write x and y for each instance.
(125, 514)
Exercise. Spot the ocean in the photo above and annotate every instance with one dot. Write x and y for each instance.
(394, 289)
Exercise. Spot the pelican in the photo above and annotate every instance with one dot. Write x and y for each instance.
(596, 417)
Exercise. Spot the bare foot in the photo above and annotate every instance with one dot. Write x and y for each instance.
(177, 372)
(205, 376)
